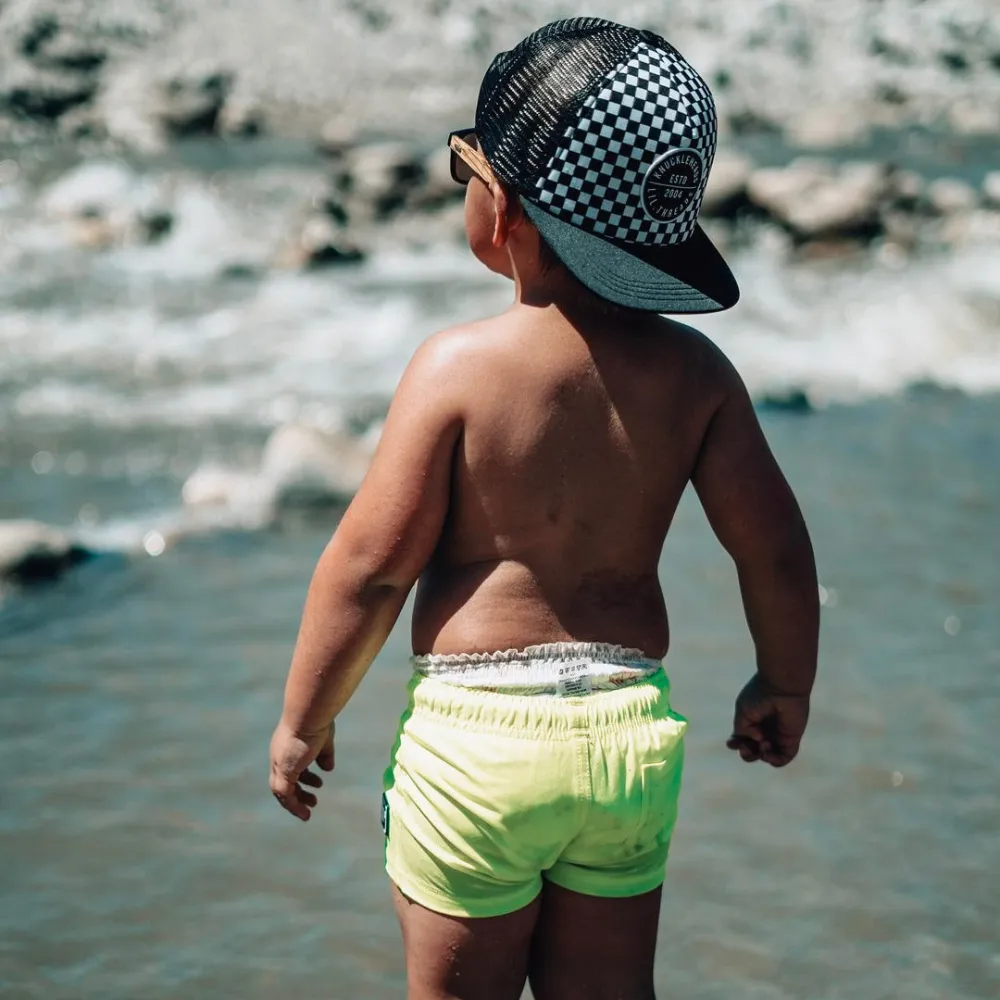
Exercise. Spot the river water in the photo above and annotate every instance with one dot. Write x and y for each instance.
(141, 854)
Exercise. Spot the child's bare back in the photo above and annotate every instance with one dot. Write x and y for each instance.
(578, 435)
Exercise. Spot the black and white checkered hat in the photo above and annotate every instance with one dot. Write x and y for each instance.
(608, 135)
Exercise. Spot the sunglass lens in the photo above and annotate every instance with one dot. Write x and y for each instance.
(461, 172)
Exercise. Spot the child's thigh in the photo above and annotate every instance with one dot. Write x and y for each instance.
(465, 958)
(594, 948)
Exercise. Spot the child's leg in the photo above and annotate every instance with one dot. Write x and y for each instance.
(465, 958)
(592, 948)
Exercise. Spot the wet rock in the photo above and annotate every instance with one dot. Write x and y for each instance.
(791, 400)
(35, 28)
(154, 225)
(337, 136)
(69, 52)
(814, 200)
(47, 68)
(241, 117)
(381, 176)
(906, 191)
(948, 195)
(43, 93)
(48, 38)
(331, 202)
(239, 271)
(726, 193)
(31, 552)
(321, 243)
(82, 123)
(190, 104)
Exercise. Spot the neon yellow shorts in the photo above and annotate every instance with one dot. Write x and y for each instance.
(488, 793)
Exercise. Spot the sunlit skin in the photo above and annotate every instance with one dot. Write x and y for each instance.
(528, 473)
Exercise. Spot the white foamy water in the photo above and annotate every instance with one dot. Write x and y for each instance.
(104, 337)
(155, 336)
(844, 335)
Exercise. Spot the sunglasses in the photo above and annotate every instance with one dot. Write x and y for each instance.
(467, 160)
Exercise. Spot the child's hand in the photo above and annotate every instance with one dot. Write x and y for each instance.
(291, 755)
(768, 725)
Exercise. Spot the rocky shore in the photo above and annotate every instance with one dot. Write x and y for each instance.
(391, 194)
(115, 78)
(143, 72)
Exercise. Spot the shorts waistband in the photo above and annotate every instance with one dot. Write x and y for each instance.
(530, 716)
(599, 652)
(556, 668)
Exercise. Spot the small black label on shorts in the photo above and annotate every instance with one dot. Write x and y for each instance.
(385, 815)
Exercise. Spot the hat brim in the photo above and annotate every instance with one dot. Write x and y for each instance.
(689, 277)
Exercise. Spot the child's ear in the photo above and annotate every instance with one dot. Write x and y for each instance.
(508, 211)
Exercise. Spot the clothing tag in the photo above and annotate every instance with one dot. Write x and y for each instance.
(385, 815)
(574, 680)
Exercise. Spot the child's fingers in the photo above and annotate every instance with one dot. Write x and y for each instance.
(290, 797)
(748, 749)
(782, 756)
(311, 779)
(291, 804)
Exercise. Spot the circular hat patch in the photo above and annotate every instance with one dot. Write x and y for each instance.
(672, 183)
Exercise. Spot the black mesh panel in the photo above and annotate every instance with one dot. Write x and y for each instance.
(533, 92)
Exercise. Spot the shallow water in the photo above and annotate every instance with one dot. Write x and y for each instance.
(143, 856)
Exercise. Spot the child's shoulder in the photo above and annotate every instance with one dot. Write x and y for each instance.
(465, 345)
(684, 337)
(682, 348)
(456, 361)
(483, 353)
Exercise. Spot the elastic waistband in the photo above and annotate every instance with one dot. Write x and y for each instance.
(599, 652)
(529, 716)
(555, 668)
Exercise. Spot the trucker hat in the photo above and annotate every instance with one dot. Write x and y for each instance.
(608, 134)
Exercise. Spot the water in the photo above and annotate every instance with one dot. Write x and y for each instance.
(143, 855)
(140, 851)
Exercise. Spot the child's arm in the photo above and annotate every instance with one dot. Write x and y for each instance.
(756, 518)
(361, 582)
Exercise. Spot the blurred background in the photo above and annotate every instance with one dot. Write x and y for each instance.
(224, 227)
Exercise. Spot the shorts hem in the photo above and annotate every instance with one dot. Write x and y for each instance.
(435, 900)
(607, 890)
